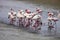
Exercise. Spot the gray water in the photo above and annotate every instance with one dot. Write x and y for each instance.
(16, 5)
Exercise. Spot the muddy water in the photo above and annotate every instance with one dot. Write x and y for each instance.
(54, 3)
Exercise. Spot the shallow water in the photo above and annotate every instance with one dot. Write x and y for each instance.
(6, 5)
(12, 33)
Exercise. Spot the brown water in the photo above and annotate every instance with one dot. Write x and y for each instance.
(51, 3)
